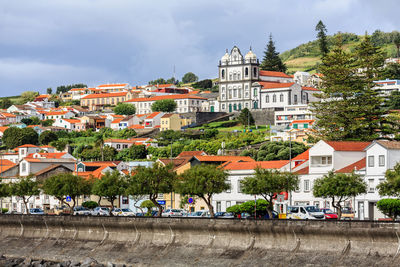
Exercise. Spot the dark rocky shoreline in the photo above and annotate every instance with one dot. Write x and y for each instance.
(28, 262)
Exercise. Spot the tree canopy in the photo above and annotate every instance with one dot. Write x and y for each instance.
(271, 60)
(203, 181)
(189, 77)
(339, 187)
(276, 151)
(28, 96)
(390, 207)
(152, 181)
(164, 105)
(65, 88)
(132, 153)
(46, 137)
(110, 186)
(5, 103)
(391, 185)
(350, 108)
(203, 84)
(125, 109)
(268, 183)
(25, 188)
(321, 35)
(14, 137)
(245, 117)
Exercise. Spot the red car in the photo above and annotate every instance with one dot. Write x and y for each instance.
(329, 214)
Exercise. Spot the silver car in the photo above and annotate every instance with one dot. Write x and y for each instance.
(81, 211)
(101, 211)
(172, 213)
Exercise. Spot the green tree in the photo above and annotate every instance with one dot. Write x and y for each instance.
(152, 181)
(391, 185)
(106, 154)
(189, 77)
(25, 188)
(271, 60)
(28, 96)
(203, 181)
(14, 137)
(90, 204)
(31, 121)
(393, 101)
(396, 42)
(164, 105)
(46, 137)
(126, 133)
(132, 153)
(149, 205)
(110, 186)
(267, 183)
(46, 123)
(248, 207)
(158, 81)
(64, 88)
(49, 91)
(350, 109)
(60, 145)
(172, 80)
(125, 109)
(66, 184)
(5, 191)
(5, 103)
(321, 35)
(391, 71)
(168, 136)
(339, 187)
(245, 118)
(204, 84)
(390, 207)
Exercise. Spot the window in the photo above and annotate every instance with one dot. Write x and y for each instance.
(295, 99)
(223, 106)
(274, 98)
(23, 169)
(229, 183)
(371, 161)
(246, 71)
(371, 188)
(306, 185)
(318, 161)
(267, 98)
(125, 200)
(218, 206)
(239, 186)
(223, 74)
(228, 204)
(255, 92)
(381, 160)
(281, 98)
(234, 93)
(255, 72)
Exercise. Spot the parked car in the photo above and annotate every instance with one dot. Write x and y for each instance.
(139, 214)
(101, 211)
(329, 214)
(172, 213)
(347, 214)
(275, 215)
(225, 215)
(305, 212)
(81, 211)
(122, 212)
(200, 214)
(36, 211)
(63, 210)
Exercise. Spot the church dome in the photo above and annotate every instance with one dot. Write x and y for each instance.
(225, 58)
(250, 56)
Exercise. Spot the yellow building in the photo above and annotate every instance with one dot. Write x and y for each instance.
(98, 101)
(173, 121)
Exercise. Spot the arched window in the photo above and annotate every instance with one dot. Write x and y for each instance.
(274, 98)
(246, 71)
(255, 92)
(281, 98)
(223, 74)
(230, 76)
(234, 106)
(267, 98)
(255, 72)
(240, 106)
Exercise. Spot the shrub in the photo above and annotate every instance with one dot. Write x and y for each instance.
(90, 204)
(390, 207)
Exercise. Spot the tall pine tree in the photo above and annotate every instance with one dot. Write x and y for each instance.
(321, 35)
(350, 109)
(271, 60)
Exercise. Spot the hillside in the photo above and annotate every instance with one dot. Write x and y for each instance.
(305, 57)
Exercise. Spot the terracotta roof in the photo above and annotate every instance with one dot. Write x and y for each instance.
(57, 155)
(302, 156)
(389, 144)
(100, 163)
(358, 165)
(223, 158)
(3, 128)
(119, 141)
(105, 95)
(168, 115)
(152, 115)
(27, 145)
(191, 153)
(348, 145)
(162, 97)
(318, 74)
(136, 126)
(272, 85)
(303, 171)
(118, 120)
(77, 89)
(56, 113)
(273, 74)
(6, 114)
(72, 120)
(177, 162)
(275, 164)
(302, 121)
(113, 85)
(306, 88)
(4, 168)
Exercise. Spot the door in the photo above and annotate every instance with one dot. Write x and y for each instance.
(212, 108)
(303, 213)
(361, 215)
(371, 210)
(230, 107)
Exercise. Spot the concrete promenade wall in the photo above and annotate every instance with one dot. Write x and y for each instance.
(199, 242)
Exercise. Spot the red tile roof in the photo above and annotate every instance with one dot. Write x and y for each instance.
(162, 97)
(302, 121)
(274, 74)
(3, 128)
(302, 156)
(272, 85)
(348, 145)
(6, 114)
(152, 115)
(77, 89)
(58, 155)
(223, 158)
(191, 153)
(105, 95)
(56, 113)
(27, 145)
(72, 120)
(306, 88)
(303, 171)
(136, 126)
(113, 85)
(358, 165)
(117, 120)
(275, 164)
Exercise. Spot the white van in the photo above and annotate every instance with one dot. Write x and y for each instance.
(305, 212)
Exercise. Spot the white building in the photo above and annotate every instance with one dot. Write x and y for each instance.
(302, 78)
(291, 113)
(386, 87)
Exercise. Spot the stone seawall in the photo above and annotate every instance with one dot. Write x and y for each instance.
(188, 241)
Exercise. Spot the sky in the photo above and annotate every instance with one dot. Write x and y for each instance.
(47, 43)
